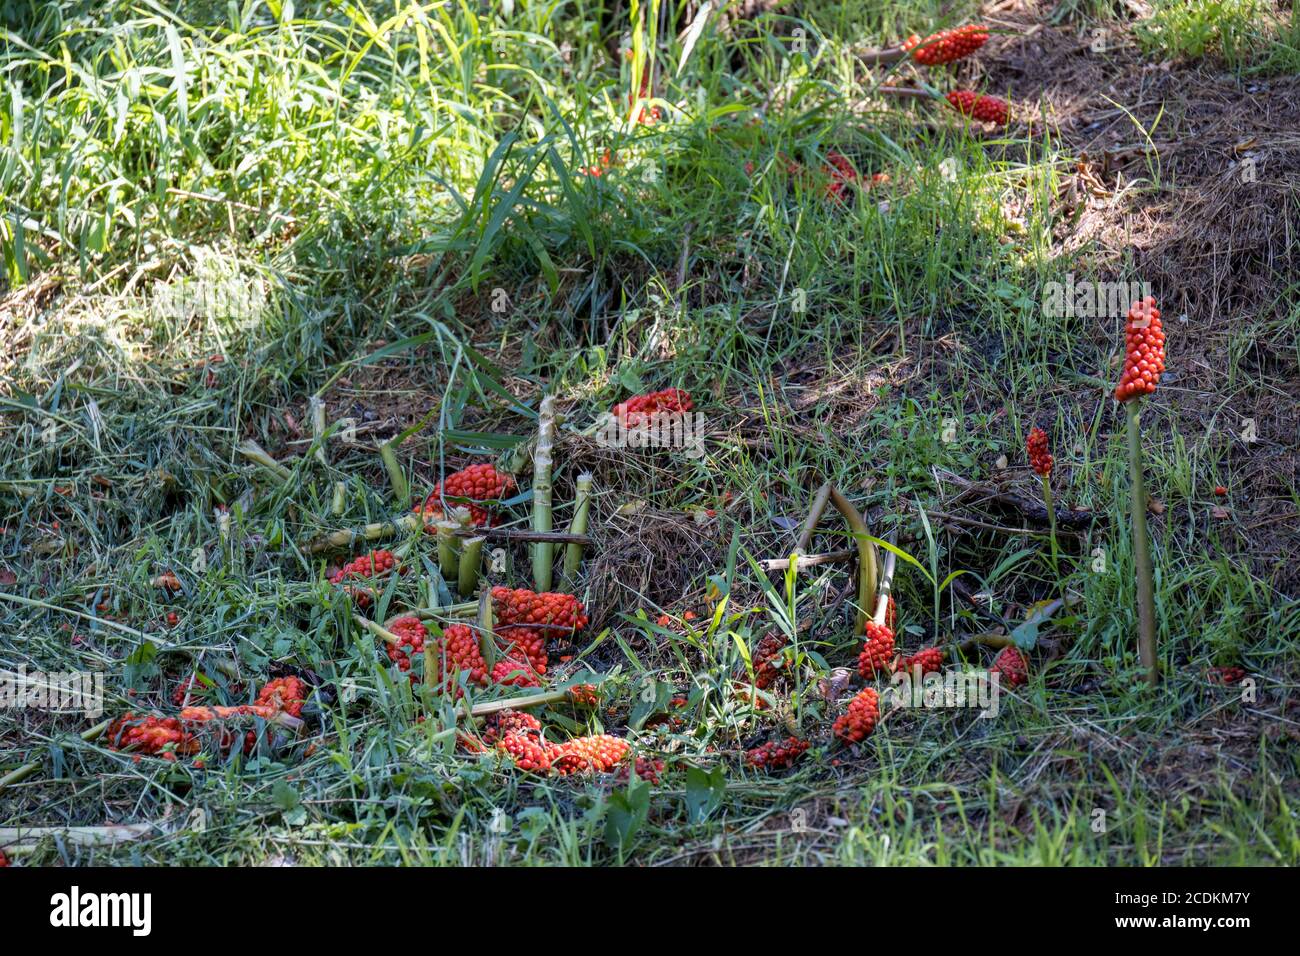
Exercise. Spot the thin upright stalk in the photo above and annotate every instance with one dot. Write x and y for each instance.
(1146, 591)
(1051, 523)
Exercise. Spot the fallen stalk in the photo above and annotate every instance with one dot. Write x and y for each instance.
(26, 770)
(809, 560)
(403, 524)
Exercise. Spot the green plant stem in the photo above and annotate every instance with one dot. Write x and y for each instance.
(396, 476)
(26, 770)
(1051, 524)
(1146, 591)
(543, 551)
(581, 512)
(471, 562)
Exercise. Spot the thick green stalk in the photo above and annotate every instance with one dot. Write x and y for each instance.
(1146, 591)
(581, 510)
(448, 559)
(543, 551)
(396, 476)
(471, 562)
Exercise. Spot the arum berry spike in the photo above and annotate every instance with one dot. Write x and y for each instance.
(1144, 360)
(946, 45)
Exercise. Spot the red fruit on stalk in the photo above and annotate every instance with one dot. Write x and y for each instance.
(458, 651)
(877, 650)
(366, 566)
(551, 610)
(598, 754)
(510, 672)
(857, 723)
(776, 755)
(477, 483)
(986, 109)
(891, 613)
(584, 695)
(151, 735)
(929, 660)
(529, 752)
(647, 768)
(946, 45)
(284, 694)
(1039, 458)
(640, 409)
(511, 722)
(1013, 667)
(1144, 351)
(411, 635)
(767, 661)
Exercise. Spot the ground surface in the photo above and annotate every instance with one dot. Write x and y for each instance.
(206, 223)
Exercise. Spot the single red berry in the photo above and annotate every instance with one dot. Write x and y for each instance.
(1220, 490)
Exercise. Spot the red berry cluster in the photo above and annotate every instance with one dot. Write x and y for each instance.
(768, 664)
(284, 694)
(638, 410)
(857, 723)
(584, 695)
(529, 752)
(510, 722)
(776, 755)
(550, 609)
(458, 651)
(1144, 351)
(4, 860)
(1013, 667)
(600, 753)
(512, 672)
(877, 650)
(477, 483)
(411, 635)
(986, 109)
(1040, 459)
(163, 736)
(366, 566)
(891, 613)
(946, 45)
(842, 174)
(929, 659)
(647, 768)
